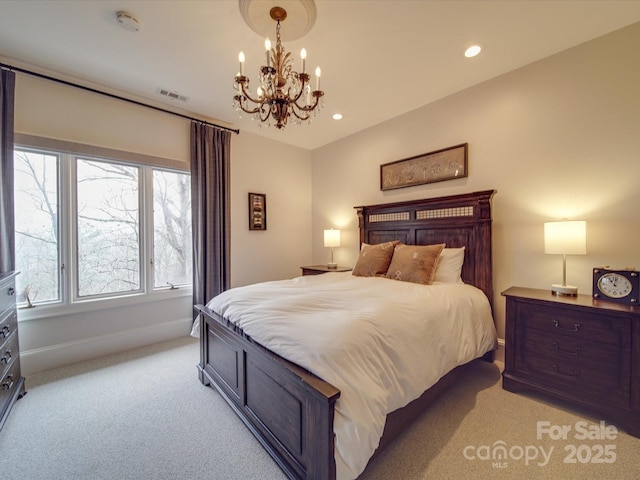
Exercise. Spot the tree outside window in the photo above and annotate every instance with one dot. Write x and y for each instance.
(37, 226)
(105, 237)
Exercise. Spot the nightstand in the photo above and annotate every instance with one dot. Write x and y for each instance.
(318, 269)
(582, 351)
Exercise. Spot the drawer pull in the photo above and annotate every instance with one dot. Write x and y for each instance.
(556, 345)
(576, 326)
(8, 383)
(6, 358)
(5, 331)
(573, 373)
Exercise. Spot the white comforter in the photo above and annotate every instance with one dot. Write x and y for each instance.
(381, 342)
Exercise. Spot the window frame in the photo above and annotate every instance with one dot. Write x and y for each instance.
(61, 257)
(68, 154)
(143, 254)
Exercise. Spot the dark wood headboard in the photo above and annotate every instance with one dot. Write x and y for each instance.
(458, 220)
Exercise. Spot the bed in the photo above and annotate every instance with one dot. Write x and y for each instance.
(290, 410)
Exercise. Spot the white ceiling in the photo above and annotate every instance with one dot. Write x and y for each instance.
(379, 58)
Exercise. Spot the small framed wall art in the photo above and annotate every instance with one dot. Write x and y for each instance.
(257, 211)
(438, 166)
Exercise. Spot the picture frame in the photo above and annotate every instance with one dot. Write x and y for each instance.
(257, 211)
(437, 166)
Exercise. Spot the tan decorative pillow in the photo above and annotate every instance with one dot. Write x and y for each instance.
(414, 263)
(373, 260)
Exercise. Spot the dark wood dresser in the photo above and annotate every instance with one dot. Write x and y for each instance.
(583, 351)
(11, 381)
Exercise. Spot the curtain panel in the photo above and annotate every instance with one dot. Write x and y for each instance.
(210, 204)
(7, 223)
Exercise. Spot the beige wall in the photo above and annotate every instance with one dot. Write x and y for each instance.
(59, 336)
(283, 173)
(559, 138)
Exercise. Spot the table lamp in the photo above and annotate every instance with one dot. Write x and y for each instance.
(565, 238)
(332, 239)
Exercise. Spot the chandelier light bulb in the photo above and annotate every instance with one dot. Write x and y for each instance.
(241, 59)
(267, 48)
(318, 72)
(303, 56)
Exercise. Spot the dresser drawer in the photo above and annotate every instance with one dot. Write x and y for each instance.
(7, 296)
(8, 325)
(593, 385)
(565, 348)
(613, 330)
(9, 383)
(8, 353)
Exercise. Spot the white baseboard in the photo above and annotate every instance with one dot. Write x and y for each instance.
(499, 353)
(59, 355)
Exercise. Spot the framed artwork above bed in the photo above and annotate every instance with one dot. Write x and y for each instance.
(438, 166)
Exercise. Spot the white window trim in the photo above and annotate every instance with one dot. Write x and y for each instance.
(70, 303)
(33, 141)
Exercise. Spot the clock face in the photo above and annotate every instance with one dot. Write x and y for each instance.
(614, 285)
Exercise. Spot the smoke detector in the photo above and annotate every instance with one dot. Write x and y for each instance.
(128, 21)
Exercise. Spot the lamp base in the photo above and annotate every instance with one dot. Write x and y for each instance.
(332, 266)
(564, 290)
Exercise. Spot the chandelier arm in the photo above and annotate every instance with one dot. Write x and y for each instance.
(242, 103)
(295, 100)
(306, 117)
(309, 108)
(246, 93)
(266, 115)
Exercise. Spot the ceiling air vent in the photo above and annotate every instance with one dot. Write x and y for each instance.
(172, 95)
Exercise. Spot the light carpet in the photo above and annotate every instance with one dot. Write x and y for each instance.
(143, 414)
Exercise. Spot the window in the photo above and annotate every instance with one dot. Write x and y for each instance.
(37, 225)
(172, 228)
(89, 228)
(108, 226)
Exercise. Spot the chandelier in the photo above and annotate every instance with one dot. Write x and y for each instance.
(282, 92)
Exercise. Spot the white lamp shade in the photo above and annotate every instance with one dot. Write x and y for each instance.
(565, 237)
(332, 238)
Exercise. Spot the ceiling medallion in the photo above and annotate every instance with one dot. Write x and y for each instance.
(282, 92)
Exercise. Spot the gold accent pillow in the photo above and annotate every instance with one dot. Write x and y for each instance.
(374, 260)
(414, 263)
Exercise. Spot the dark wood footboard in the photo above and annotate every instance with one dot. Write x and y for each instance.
(289, 410)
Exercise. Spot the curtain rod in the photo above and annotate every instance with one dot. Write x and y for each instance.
(118, 97)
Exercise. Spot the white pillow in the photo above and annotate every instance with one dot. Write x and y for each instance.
(449, 269)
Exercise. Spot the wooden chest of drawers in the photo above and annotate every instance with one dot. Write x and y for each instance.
(577, 349)
(11, 381)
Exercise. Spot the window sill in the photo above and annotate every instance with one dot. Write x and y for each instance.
(55, 310)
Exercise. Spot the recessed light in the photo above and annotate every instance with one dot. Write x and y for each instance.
(337, 116)
(472, 51)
